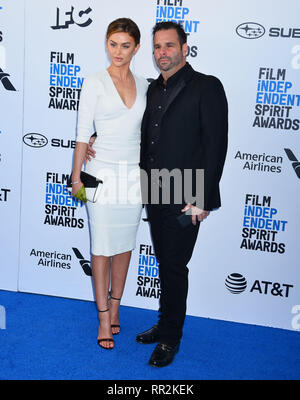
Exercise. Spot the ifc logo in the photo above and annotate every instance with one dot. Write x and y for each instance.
(235, 283)
(250, 30)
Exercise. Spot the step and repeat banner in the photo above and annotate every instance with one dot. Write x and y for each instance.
(246, 261)
(11, 133)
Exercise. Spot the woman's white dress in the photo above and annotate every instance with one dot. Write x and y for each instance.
(115, 217)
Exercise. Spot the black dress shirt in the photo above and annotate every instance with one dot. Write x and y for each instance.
(184, 128)
(157, 104)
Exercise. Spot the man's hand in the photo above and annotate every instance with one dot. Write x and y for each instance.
(195, 212)
(90, 152)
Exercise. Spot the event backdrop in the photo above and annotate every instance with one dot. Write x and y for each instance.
(245, 266)
(11, 132)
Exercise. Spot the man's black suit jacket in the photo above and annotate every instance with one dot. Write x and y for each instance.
(193, 133)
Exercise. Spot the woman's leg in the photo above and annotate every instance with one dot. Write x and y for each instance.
(120, 264)
(101, 277)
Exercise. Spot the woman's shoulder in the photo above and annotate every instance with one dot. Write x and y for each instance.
(94, 82)
(96, 76)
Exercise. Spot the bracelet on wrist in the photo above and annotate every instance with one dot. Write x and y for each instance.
(74, 183)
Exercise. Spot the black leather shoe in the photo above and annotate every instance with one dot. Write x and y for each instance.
(163, 355)
(149, 336)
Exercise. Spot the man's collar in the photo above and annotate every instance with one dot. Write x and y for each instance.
(184, 72)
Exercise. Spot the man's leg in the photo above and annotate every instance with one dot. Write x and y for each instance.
(154, 217)
(176, 248)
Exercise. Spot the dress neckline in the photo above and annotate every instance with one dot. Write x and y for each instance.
(118, 94)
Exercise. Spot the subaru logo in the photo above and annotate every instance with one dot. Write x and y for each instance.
(250, 30)
(35, 140)
(235, 283)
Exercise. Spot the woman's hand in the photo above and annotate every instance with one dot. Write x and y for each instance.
(79, 154)
(90, 152)
(76, 187)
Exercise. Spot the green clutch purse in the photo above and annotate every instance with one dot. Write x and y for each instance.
(81, 194)
(91, 187)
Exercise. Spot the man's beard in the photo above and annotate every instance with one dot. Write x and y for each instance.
(172, 62)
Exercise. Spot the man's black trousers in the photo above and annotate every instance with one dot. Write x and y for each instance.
(173, 246)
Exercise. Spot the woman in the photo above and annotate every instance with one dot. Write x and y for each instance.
(114, 100)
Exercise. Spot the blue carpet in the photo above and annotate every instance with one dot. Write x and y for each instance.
(51, 338)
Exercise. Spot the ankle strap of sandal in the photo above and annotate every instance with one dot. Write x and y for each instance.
(111, 297)
(103, 310)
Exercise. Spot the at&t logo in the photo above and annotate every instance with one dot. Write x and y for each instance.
(237, 283)
(4, 194)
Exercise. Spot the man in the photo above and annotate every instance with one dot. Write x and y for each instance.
(184, 128)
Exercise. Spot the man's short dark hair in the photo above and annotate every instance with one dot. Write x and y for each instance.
(171, 25)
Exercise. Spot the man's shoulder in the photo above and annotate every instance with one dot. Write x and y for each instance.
(206, 83)
(206, 78)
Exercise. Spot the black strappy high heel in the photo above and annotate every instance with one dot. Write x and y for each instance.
(111, 340)
(115, 325)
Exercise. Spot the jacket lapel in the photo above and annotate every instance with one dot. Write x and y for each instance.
(180, 85)
(177, 89)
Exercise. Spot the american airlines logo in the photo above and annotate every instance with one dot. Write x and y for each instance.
(294, 160)
(5, 81)
(85, 264)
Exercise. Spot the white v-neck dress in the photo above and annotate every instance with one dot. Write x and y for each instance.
(115, 217)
